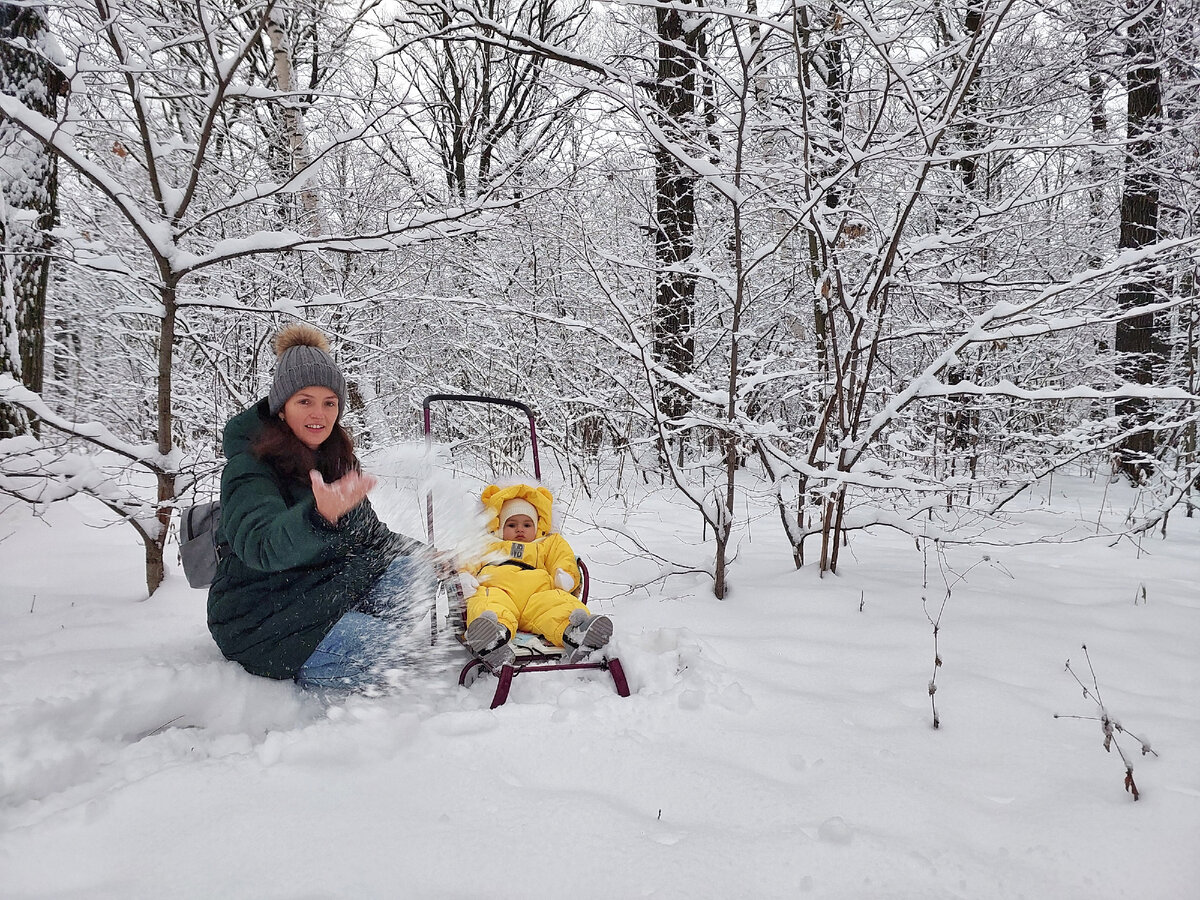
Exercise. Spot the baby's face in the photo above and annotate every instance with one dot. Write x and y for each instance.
(519, 527)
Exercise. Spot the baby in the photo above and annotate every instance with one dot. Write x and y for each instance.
(530, 589)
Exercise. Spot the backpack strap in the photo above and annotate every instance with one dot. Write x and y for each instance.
(189, 524)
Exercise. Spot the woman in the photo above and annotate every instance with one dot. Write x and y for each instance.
(312, 583)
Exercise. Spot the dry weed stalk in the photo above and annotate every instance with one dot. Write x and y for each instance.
(1108, 725)
(936, 621)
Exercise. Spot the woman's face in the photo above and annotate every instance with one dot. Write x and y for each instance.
(311, 413)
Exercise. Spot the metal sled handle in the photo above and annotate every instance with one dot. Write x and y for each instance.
(469, 398)
(494, 401)
(476, 398)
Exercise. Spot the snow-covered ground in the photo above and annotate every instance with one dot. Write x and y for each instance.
(778, 743)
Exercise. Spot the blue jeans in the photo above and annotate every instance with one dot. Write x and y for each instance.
(360, 647)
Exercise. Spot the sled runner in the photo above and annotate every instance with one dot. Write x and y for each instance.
(533, 653)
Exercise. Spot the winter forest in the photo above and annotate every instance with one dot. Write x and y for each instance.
(870, 264)
(828, 310)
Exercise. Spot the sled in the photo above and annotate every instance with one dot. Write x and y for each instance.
(533, 654)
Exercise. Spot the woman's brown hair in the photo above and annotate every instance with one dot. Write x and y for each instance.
(280, 448)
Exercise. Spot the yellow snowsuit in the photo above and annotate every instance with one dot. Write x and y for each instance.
(520, 588)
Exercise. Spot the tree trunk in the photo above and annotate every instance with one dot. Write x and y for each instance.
(962, 414)
(1136, 358)
(835, 101)
(1098, 175)
(293, 123)
(155, 539)
(674, 229)
(30, 186)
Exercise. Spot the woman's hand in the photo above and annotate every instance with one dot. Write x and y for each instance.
(337, 499)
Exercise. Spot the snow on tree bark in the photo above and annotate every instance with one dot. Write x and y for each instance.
(1137, 357)
(28, 204)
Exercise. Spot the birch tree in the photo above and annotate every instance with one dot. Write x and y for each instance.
(294, 139)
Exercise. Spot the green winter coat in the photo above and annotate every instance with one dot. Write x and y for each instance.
(289, 575)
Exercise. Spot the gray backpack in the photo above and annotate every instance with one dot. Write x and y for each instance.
(199, 549)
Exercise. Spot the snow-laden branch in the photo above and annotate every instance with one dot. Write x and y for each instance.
(297, 183)
(161, 239)
(12, 391)
(155, 234)
(417, 229)
(1005, 388)
(223, 69)
(35, 473)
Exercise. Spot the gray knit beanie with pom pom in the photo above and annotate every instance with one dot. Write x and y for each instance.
(304, 361)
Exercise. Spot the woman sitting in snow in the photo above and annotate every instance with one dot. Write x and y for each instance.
(312, 583)
(526, 581)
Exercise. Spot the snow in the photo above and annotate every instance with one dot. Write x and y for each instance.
(778, 743)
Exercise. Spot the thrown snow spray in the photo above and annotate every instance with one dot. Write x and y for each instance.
(409, 478)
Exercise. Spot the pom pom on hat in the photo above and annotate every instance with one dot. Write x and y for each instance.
(516, 506)
(303, 361)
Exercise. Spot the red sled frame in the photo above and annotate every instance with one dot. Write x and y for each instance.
(529, 658)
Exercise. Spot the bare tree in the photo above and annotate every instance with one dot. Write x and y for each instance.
(486, 110)
(167, 152)
(298, 156)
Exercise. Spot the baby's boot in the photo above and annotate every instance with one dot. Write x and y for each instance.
(488, 640)
(584, 634)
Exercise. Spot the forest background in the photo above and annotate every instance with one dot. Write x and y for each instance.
(873, 263)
